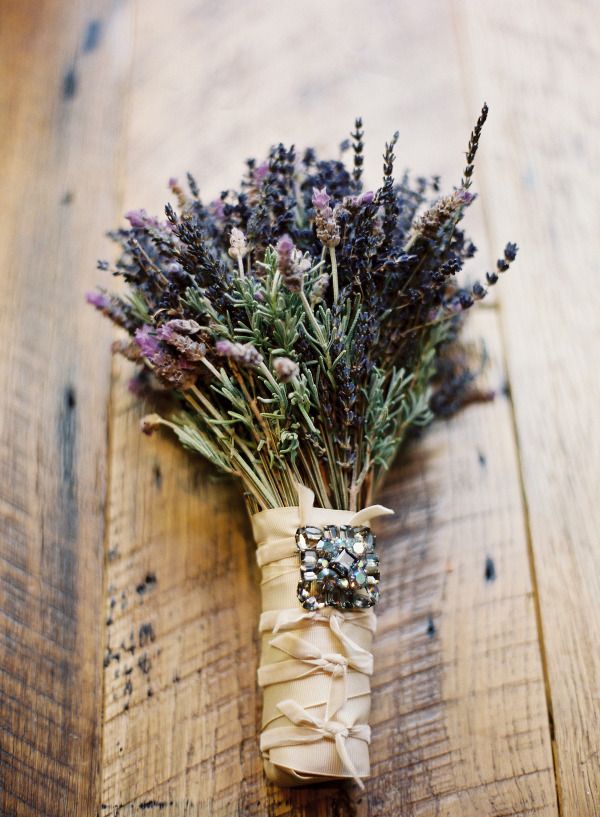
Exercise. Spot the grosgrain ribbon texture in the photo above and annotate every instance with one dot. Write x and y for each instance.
(315, 667)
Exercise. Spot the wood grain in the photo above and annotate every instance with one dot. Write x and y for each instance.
(60, 135)
(128, 654)
(460, 720)
(541, 181)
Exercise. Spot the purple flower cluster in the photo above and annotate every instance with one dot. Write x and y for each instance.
(302, 277)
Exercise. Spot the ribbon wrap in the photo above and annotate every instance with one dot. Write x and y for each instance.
(315, 667)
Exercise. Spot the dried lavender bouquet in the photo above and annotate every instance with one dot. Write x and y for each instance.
(303, 327)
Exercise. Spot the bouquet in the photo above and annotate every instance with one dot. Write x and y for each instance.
(295, 333)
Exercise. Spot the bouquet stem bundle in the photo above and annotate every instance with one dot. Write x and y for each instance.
(295, 332)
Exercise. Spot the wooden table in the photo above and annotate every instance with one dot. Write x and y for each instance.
(120, 693)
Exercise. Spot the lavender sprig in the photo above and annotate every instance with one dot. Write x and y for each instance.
(302, 327)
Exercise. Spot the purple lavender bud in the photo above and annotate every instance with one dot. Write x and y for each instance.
(260, 172)
(285, 245)
(147, 340)
(137, 218)
(98, 299)
(464, 197)
(217, 207)
(225, 348)
(366, 198)
(320, 198)
(165, 332)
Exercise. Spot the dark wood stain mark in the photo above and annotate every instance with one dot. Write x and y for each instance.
(157, 476)
(490, 570)
(60, 537)
(145, 664)
(70, 82)
(146, 634)
(111, 656)
(482, 459)
(431, 628)
(67, 197)
(147, 584)
(92, 37)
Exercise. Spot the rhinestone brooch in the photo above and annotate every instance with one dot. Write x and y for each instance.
(338, 567)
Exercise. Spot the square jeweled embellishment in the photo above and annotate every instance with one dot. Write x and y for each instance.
(339, 567)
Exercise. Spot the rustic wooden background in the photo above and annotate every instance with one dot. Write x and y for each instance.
(120, 695)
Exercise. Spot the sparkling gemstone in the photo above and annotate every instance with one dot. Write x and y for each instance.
(312, 534)
(309, 558)
(360, 577)
(343, 562)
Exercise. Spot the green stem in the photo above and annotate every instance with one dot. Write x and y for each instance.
(334, 273)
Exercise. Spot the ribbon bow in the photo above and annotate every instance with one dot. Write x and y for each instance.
(302, 652)
(307, 728)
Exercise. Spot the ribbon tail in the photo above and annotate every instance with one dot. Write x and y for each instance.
(340, 745)
(372, 512)
(306, 501)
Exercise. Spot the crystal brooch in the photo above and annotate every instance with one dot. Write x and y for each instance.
(339, 567)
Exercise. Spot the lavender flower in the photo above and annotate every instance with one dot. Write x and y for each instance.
(285, 369)
(320, 198)
(291, 263)
(98, 299)
(243, 353)
(146, 339)
(238, 246)
(326, 225)
(137, 218)
(363, 339)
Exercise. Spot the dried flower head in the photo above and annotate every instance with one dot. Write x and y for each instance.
(291, 263)
(285, 369)
(326, 226)
(243, 353)
(150, 423)
(238, 246)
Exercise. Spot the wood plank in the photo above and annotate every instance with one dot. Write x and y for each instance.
(64, 70)
(538, 63)
(460, 720)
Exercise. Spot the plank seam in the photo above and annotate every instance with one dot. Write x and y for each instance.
(455, 12)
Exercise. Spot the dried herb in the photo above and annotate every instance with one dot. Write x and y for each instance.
(303, 325)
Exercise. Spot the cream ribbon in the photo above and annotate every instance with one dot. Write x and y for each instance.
(308, 728)
(303, 653)
(310, 679)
